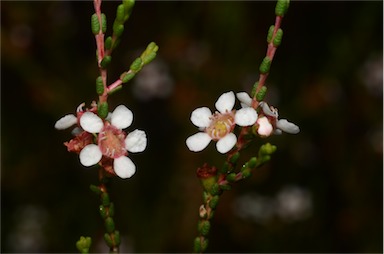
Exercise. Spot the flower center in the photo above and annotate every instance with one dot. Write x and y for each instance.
(112, 142)
(221, 125)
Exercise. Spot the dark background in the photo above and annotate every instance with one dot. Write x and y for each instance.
(326, 77)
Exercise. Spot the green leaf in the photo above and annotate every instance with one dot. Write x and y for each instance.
(105, 62)
(109, 225)
(278, 38)
(99, 85)
(95, 25)
(281, 7)
(261, 94)
(103, 23)
(120, 13)
(136, 65)
(265, 65)
(102, 110)
(108, 42)
(270, 33)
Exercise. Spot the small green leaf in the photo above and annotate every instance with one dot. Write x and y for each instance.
(265, 65)
(103, 211)
(95, 25)
(281, 7)
(234, 158)
(231, 177)
(136, 65)
(254, 89)
(149, 58)
(99, 85)
(105, 62)
(105, 199)
(261, 94)
(214, 202)
(108, 42)
(111, 210)
(108, 240)
(109, 224)
(118, 30)
(117, 237)
(252, 162)
(127, 76)
(95, 189)
(270, 33)
(102, 111)
(197, 245)
(103, 23)
(278, 38)
(120, 13)
(204, 227)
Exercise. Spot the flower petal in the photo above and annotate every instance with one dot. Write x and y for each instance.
(136, 141)
(225, 144)
(265, 127)
(225, 102)
(246, 116)
(91, 123)
(201, 117)
(267, 110)
(122, 117)
(90, 155)
(287, 127)
(198, 141)
(124, 167)
(244, 98)
(66, 122)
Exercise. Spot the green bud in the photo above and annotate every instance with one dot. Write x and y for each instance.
(103, 211)
(103, 23)
(105, 62)
(84, 244)
(234, 158)
(246, 172)
(118, 30)
(149, 58)
(261, 94)
(99, 85)
(270, 33)
(252, 162)
(214, 202)
(226, 187)
(227, 167)
(278, 38)
(254, 88)
(127, 76)
(108, 240)
(105, 199)
(152, 47)
(136, 65)
(117, 237)
(267, 149)
(120, 13)
(231, 177)
(204, 227)
(95, 189)
(281, 7)
(111, 210)
(265, 65)
(95, 25)
(215, 189)
(109, 224)
(108, 43)
(102, 110)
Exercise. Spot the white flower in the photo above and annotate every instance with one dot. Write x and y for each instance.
(219, 126)
(282, 124)
(112, 141)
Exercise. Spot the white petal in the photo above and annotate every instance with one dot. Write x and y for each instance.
(66, 122)
(136, 141)
(287, 127)
(244, 98)
(122, 117)
(124, 167)
(225, 144)
(91, 123)
(246, 116)
(90, 155)
(267, 110)
(265, 127)
(198, 141)
(201, 117)
(225, 102)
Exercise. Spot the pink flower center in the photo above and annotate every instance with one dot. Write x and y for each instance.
(221, 125)
(112, 141)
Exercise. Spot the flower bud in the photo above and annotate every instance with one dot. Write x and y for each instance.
(267, 149)
(84, 244)
(203, 212)
(109, 225)
(281, 7)
(265, 65)
(99, 85)
(95, 25)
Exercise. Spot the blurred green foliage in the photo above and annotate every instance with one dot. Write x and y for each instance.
(326, 77)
